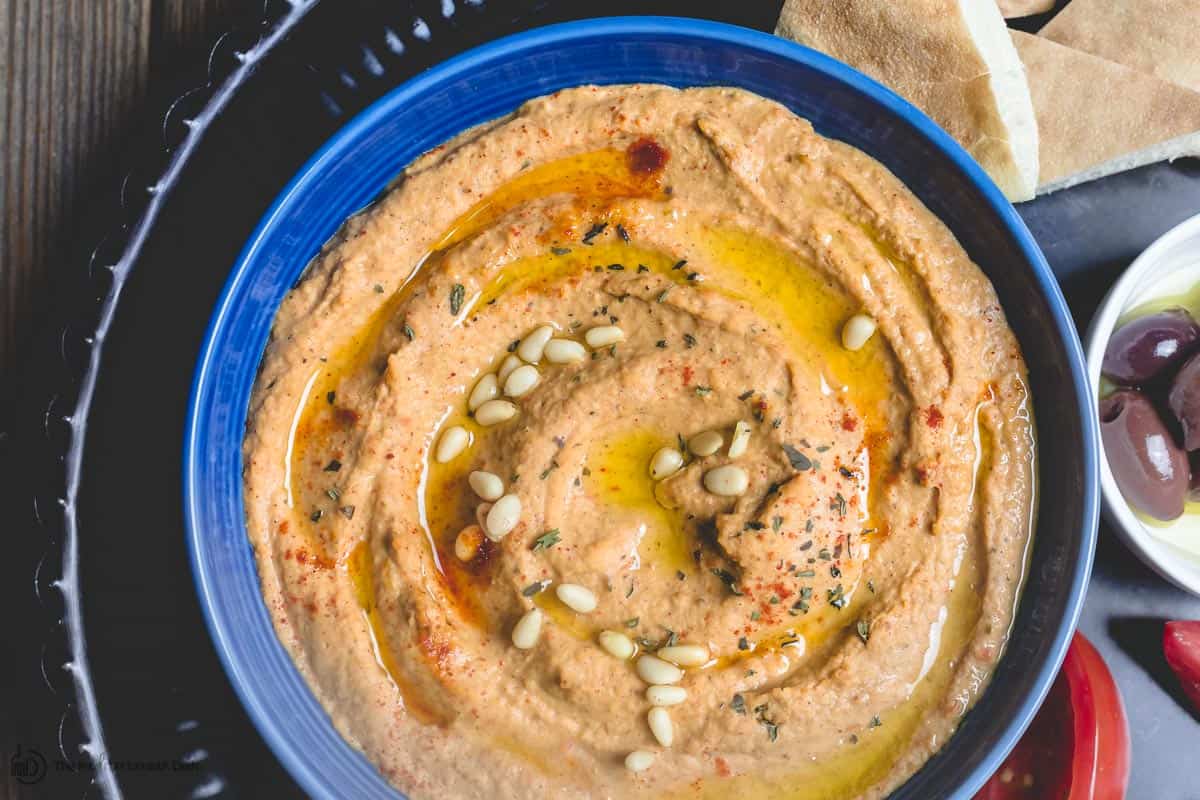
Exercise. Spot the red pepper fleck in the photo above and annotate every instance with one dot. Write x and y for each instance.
(318, 561)
(687, 375)
(781, 590)
(849, 423)
(646, 156)
(933, 417)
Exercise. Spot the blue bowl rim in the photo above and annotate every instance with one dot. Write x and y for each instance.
(560, 33)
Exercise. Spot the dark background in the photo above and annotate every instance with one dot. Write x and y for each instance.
(83, 84)
(84, 101)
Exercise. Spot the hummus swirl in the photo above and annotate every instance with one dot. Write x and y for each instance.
(852, 600)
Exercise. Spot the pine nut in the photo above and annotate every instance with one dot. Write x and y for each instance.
(705, 443)
(495, 411)
(575, 597)
(531, 346)
(481, 512)
(527, 630)
(665, 695)
(486, 388)
(684, 655)
(666, 461)
(486, 484)
(521, 380)
(616, 644)
(466, 544)
(603, 336)
(454, 440)
(639, 760)
(509, 363)
(660, 725)
(741, 439)
(564, 351)
(727, 481)
(656, 671)
(503, 517)
(857, 330)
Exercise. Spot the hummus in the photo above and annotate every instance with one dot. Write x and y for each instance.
(474, 603)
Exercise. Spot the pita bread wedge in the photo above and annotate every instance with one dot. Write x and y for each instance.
(951, 58)
(1159, 37)
(1097, 117)
(1023, 8)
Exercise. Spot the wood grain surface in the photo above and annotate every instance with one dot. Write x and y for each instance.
(79, 80)
(83, 84)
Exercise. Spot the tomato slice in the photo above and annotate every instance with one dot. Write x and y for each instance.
(1077, 747)
(1181, 646)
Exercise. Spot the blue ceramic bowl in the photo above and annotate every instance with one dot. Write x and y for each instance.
(493, 80)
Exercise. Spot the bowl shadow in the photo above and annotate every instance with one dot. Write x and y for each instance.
(1140, 638)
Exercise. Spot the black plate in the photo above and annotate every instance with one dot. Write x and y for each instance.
(147, 687)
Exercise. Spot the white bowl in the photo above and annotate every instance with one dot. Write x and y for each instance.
(1170, 266)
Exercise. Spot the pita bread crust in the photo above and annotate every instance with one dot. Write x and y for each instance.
(1091, 110)
(1023, 8)
(1158, 37)
(924, 51)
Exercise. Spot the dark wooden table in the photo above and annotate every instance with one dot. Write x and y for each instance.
(80, 84)
(79, 80)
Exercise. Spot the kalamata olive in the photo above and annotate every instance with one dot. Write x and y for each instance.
(1142, 349)
(1193, 494)
(1184, 400)
(1150, 468)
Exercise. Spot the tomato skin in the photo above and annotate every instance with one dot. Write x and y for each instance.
(1100, 772)
(1181, 646)
(1077, 747)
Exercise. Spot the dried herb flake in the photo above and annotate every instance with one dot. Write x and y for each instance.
(798, 460)
(726, 577)
(547, 540)
(534, 588)
(594, 231)
(457, 294)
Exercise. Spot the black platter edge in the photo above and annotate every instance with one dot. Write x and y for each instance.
(53, 702)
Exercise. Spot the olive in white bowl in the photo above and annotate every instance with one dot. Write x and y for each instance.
(1143, 354)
